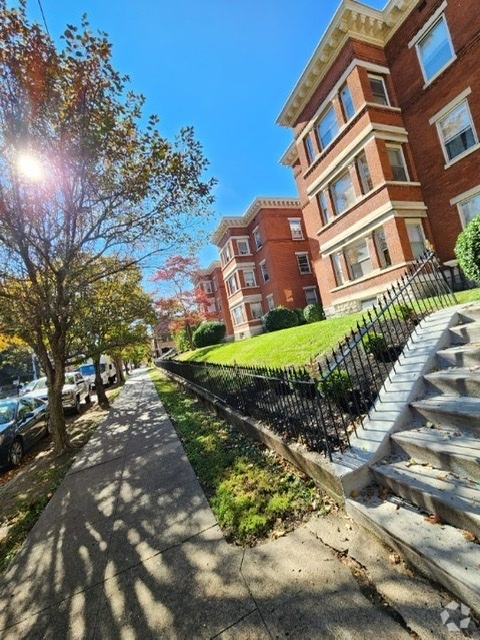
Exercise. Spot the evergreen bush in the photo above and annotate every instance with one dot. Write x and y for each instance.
(279, 318)
(467, 250)
(209, 333)
(313, 313)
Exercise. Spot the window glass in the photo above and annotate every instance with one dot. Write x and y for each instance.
(470, 208)
(296, 229)
(416, 237)
(382, 248)
(258, 238)
(303, 263)
(337, 268)
(264, 269)
(243, 248)
(256, 310)
(435, 49)
(249, 279)
(237, 315)
(358, 259)
(397, 163)
(311, 295)
(207, 286)
(323, 206)
(310, 151)
(456, 130)
(379, 91)
(347, 102)
(226, 255)
(270, 302)
(327, 127)
(232, 284)
(364, 173)
(343, 193)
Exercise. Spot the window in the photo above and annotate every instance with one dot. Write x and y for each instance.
(337, 268)
(207, 286)
(364, 173)
(382, 248)
(219, 304)
(379, 91)
(256, 310)
(456, 131)
(212, 307)
(249, 279)
(237, 315)
(309, 149)
(303, 263)
(416, 237)
(323, 206)
(263, 267)
(343, 193)
(243, 247)
(469, 209)
(232, 284)
(397, 163)
(435, 49)
(226, 255)
(358, 259)
(270, 302)
(347, 102)
(258, 238)
(327, 127)
(296, 228)
(215, 283)
(311, 295)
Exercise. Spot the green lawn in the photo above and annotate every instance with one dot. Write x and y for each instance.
(290, 347)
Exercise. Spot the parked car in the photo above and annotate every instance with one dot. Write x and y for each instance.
(23, 421)
(75, 391)
(108, 372)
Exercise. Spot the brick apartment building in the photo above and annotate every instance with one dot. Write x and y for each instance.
(265, 262)
(385, 154)
(211, 281)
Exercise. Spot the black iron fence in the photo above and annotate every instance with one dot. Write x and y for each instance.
(322, 404)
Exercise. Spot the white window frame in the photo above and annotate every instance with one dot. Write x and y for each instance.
(323, 117)
(207, 286)
(243, 241)
(270, 301)
(420, 37)
(226, 254)
(212, 307)
(334, 193)
(442, 118)
(310, 289)
(301, 257)
(373, 76)
(398, 147)
(347, 116)
(381, 245)
(462, 199)
(336, 259)
(238, 309)
(296, 230)
(257, 238)
(254, 279)
(416, 222)
(364, 173)
(325, 210)
(252, 314)
(309, 148)
(351, 264)
(232, 289)
(264, 270)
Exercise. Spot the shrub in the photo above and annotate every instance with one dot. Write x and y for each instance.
(300, 317)
(181, 340)
(375, 344)
(404, 311)
(336, 387)
(467, 249)
(279, 318)
(209, 333)
(313, 313)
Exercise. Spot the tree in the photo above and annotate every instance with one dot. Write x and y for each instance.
(467, 249)
(80, 179)
(114, 313)
(186, 306)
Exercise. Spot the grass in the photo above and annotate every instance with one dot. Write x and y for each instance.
(291, 347)
(253, 492)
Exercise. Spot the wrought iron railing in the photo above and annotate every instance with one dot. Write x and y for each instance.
(322, 404)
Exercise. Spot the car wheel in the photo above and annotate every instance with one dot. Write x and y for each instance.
(76, 408)
(15, 454)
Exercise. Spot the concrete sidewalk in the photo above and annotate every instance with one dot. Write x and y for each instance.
(129, 548)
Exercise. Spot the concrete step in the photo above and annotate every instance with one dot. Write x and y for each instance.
(455, 382)
(450, 450)
(441, 552)
(459, 356)
(455, 500)
(450, 411)
(465, 333)
(470, 313)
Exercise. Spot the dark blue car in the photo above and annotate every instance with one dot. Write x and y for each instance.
(23, 421)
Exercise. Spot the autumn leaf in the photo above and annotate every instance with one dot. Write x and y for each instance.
(433, 519)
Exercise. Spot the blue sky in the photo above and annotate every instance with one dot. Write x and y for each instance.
(224, 66)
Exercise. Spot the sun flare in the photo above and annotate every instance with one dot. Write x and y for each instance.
(30, 167)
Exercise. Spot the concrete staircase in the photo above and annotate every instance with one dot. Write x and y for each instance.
(426, 500)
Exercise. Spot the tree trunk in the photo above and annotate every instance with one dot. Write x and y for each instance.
(119, 369)
(56, 380)
(99, 388)
(189, 332)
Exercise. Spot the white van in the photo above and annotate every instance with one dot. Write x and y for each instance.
(108, 372)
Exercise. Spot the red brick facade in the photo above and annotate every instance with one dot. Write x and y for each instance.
(211, 281)
(265, 262)
(385, 120)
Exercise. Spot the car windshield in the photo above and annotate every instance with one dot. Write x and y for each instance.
(69, 379)
(7, 411)
(41, 383)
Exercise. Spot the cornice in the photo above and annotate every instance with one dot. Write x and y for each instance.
(208, 271)
(229, 222)
(352, 20)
